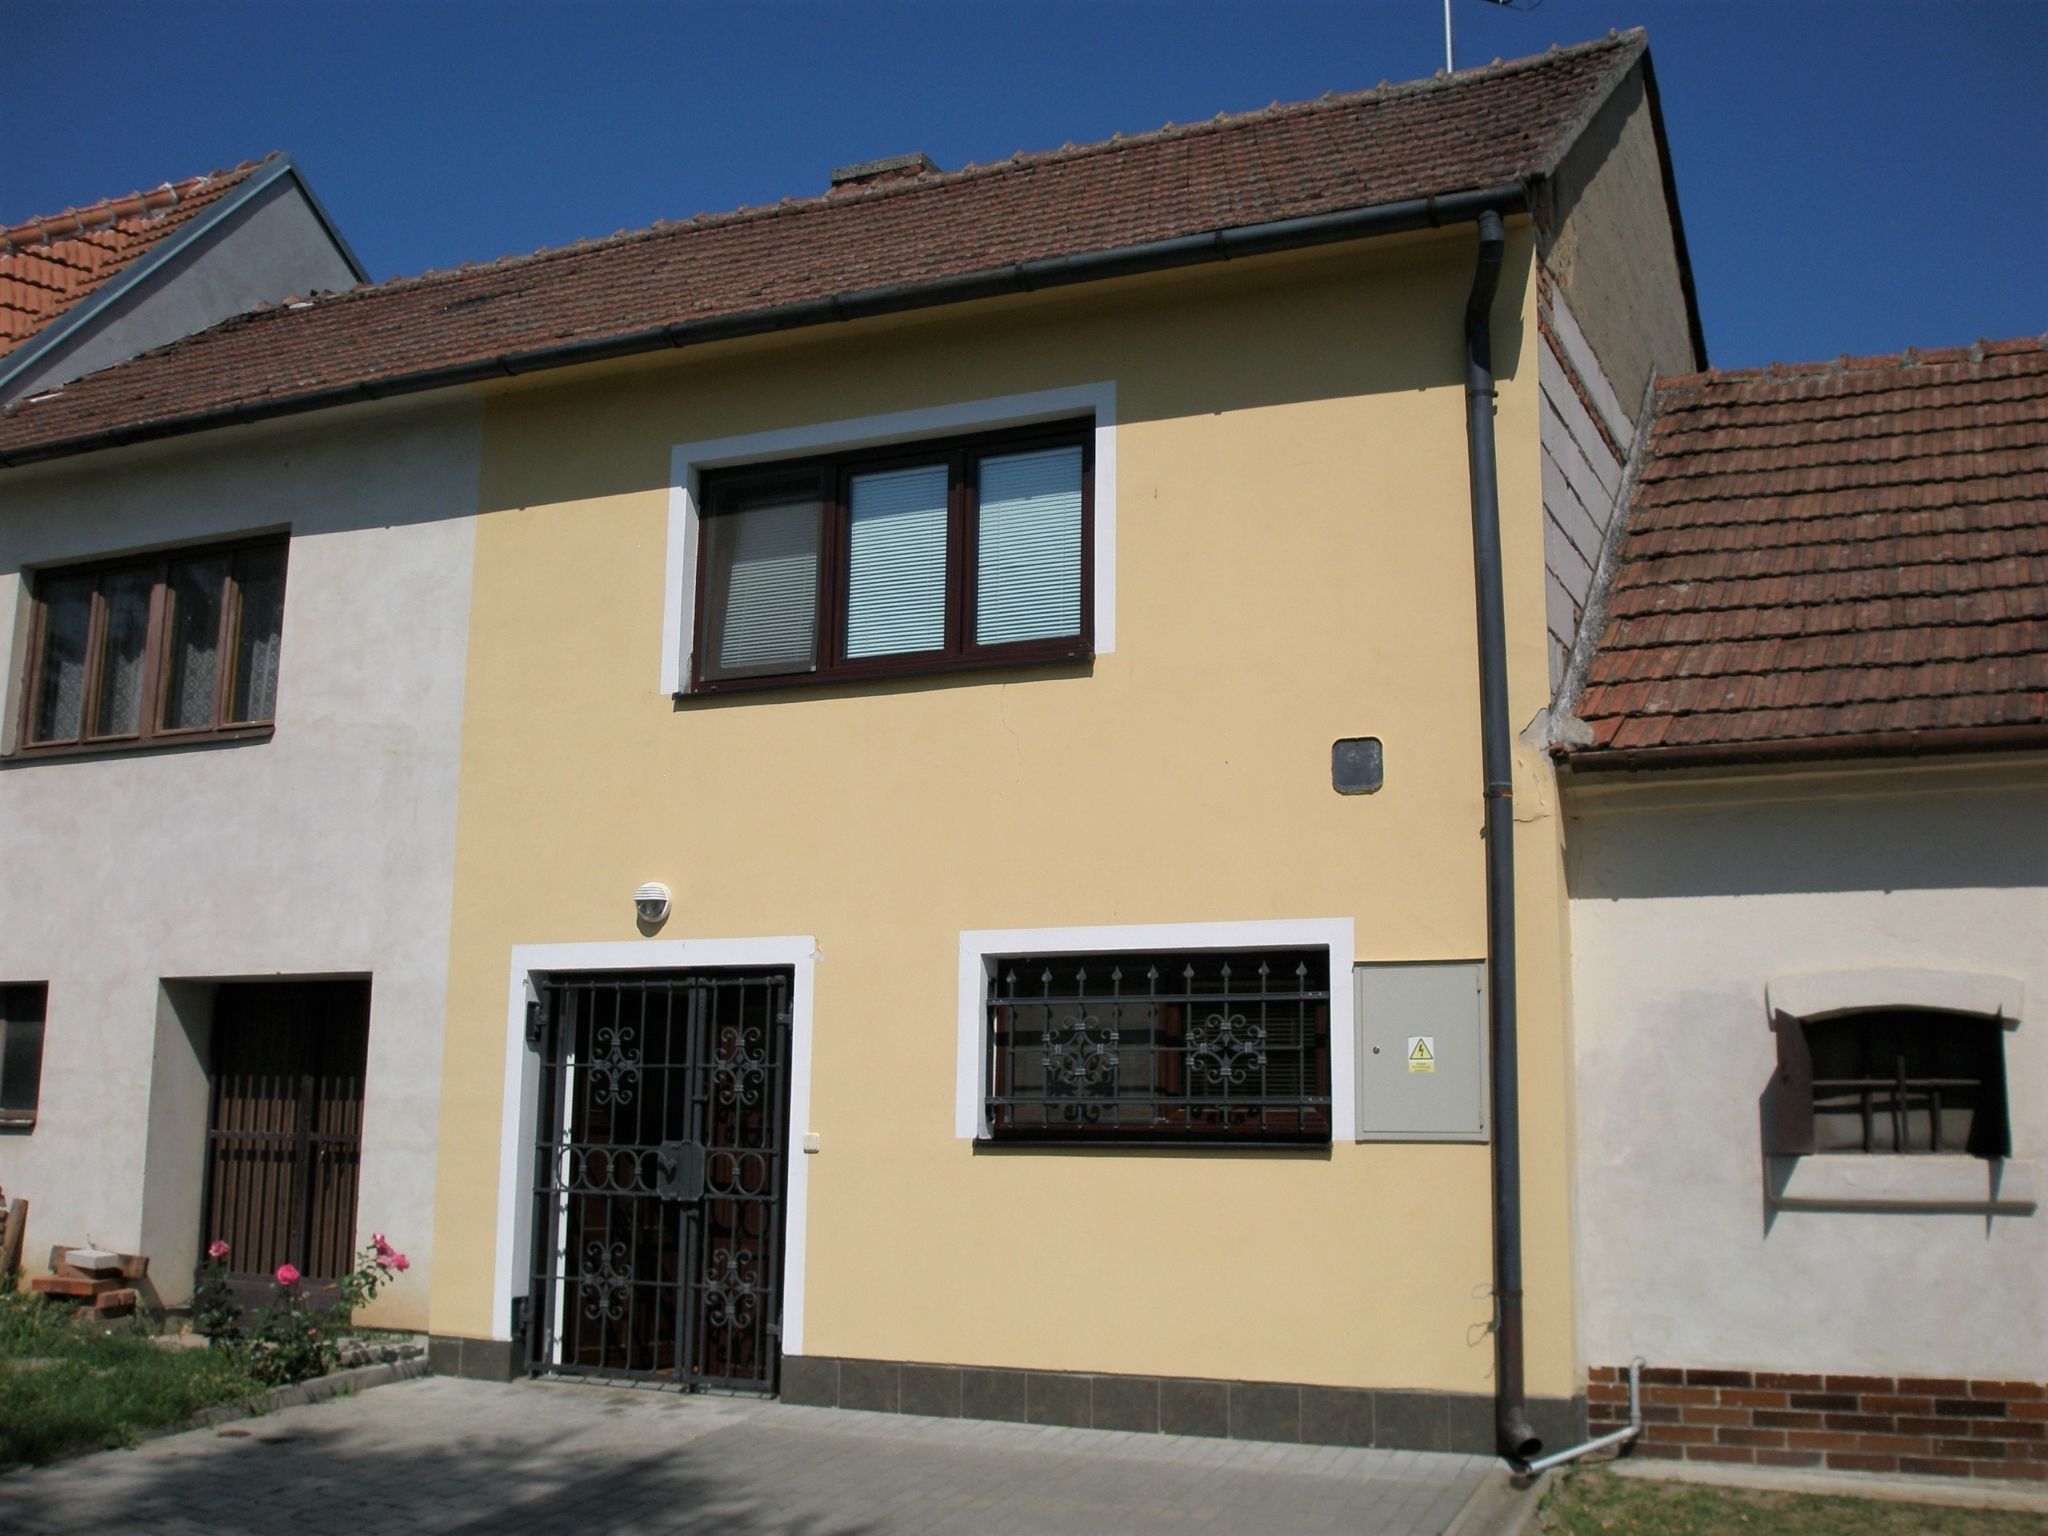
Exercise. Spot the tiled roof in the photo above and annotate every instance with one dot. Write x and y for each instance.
(1476, 130)
(1831, 560)
(49, 265)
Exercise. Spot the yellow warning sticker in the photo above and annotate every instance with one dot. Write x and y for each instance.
(1422, 1053)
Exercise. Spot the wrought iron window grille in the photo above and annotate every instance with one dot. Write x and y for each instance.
(1160, 1047)
(1901, 1082)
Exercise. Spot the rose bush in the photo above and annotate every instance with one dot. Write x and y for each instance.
(290, 1339)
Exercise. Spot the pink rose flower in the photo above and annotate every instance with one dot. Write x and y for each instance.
(287, 1274)
(384, 1249)
(399, 1261)
(216, 1249)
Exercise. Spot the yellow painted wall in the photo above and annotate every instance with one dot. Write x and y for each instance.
(1293, 566)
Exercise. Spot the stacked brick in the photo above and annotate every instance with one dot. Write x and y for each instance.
(1938, 1426)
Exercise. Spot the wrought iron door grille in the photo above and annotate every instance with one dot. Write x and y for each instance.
(1908, 1081)
(658, 1177)
(1199, 1046)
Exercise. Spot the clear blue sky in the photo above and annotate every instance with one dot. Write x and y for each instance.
(1856, 175)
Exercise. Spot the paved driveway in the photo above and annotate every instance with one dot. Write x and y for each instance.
(441, 1455)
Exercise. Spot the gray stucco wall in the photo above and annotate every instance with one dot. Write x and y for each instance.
(272, 247)
(1684, 907)
(1609, 249)
(327, 849)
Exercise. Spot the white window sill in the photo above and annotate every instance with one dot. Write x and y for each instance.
(1938, 1184)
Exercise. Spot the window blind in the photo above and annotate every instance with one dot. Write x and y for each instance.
(762, 582)
(1027, 583)
(896, 562)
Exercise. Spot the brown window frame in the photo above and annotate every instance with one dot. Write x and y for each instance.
(150, 731)
(960, 653)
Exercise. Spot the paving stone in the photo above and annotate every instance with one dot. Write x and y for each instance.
(449, 1457)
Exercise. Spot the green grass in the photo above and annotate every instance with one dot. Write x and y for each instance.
(1592, 1502)
(67, 1385)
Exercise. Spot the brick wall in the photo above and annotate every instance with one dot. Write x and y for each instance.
(1942, 1426)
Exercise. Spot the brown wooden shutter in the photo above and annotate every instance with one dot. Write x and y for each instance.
(1788, 1127)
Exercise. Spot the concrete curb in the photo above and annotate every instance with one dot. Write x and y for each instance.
(1953, 1492)
(1499, 1506)
(336, 1384)
(318, 1390)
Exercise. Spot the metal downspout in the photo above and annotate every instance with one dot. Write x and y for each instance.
(1516, 1440)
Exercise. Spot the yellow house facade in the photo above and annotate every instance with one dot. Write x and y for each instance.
(962, 1191)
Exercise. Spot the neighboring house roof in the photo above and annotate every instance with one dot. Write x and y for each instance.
(49, 265)
(1831, 560)
(59, 270)
(931, 235)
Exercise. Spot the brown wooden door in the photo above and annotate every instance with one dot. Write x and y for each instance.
(284, 1144)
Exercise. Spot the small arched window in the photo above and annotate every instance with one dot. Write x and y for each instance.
(1891, 1080)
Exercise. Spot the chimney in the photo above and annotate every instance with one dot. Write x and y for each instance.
(873, 173)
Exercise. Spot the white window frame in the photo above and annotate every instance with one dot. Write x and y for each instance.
(688, 463)
(1336, 934)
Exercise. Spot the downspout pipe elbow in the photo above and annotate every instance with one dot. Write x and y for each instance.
(1485, 283)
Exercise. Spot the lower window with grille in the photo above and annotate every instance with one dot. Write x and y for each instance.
(1200, 1046)
(1893, 1080)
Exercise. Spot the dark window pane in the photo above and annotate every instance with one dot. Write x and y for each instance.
(761, 578)
(21, 1045)
(126, 594)
(1905, 1080)
(193, 642)
(260, 575)
(60, 683)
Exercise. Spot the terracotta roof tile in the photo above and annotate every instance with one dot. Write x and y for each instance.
(50, 264)
(1475, 130)
(1855, 549)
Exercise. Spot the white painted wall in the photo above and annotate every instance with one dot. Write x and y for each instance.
(327, 849)
(1685, 901)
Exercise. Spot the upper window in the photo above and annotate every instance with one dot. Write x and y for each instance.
(21, 1050)
(1892, 1080)
(964, 553)
(1153, 1046)
(166, 647)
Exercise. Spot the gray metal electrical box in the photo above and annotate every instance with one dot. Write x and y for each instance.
(1421, 1051)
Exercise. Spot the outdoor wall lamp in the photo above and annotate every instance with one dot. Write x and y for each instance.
(650, 902)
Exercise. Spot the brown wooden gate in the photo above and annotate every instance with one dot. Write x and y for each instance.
(284, 1144)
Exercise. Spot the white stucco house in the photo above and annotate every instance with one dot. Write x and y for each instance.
(227, 782)
(1807, 816)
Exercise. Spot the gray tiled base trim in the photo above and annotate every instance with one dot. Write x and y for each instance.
(1228, 1410)
(478, 1359)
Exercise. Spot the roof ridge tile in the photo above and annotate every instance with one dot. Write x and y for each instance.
(48, 229)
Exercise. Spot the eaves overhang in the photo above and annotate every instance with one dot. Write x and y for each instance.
(1216, 245)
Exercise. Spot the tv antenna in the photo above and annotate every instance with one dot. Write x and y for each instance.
(1450, 56)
